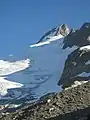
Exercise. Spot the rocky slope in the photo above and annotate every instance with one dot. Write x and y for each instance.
(72, 104)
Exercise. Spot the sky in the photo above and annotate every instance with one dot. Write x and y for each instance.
(23, 22)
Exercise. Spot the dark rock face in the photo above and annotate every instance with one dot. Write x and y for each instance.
(79, 37)
(76, 66)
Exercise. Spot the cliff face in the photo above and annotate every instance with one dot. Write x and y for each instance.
(77, 68)
(80, 37)
(77, 65)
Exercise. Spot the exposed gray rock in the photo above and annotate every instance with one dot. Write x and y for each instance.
(72, 104)
(63, 30)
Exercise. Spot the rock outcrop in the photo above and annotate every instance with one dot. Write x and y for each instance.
(63, 30)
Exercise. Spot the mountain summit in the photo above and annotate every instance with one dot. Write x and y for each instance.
(61, 29)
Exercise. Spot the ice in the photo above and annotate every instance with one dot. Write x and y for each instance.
(7, 68)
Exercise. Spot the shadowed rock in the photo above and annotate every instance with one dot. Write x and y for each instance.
(79, 37)
(77, 67)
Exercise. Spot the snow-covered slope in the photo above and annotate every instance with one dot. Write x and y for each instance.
(7, 68)
(6, 84)
(48, 41)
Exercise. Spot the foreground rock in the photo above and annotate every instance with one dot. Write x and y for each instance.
(72, 104)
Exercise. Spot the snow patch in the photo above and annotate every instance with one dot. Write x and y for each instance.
(84, 74)
(85, 47)
(7, 67)
(76, 83)
(87, 63)
(48, 41)
(5, 85)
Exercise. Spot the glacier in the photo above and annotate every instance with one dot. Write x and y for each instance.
(37, 75)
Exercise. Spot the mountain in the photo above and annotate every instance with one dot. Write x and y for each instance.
(77, 65)
(62, 29)
(80, 37)
(77, 68)
(52, 63)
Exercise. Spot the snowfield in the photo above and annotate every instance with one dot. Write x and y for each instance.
(7, 68)
(50, 39)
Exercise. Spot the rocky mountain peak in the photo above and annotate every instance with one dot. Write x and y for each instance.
(79, 37)
(77, 65)
(63, 30)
